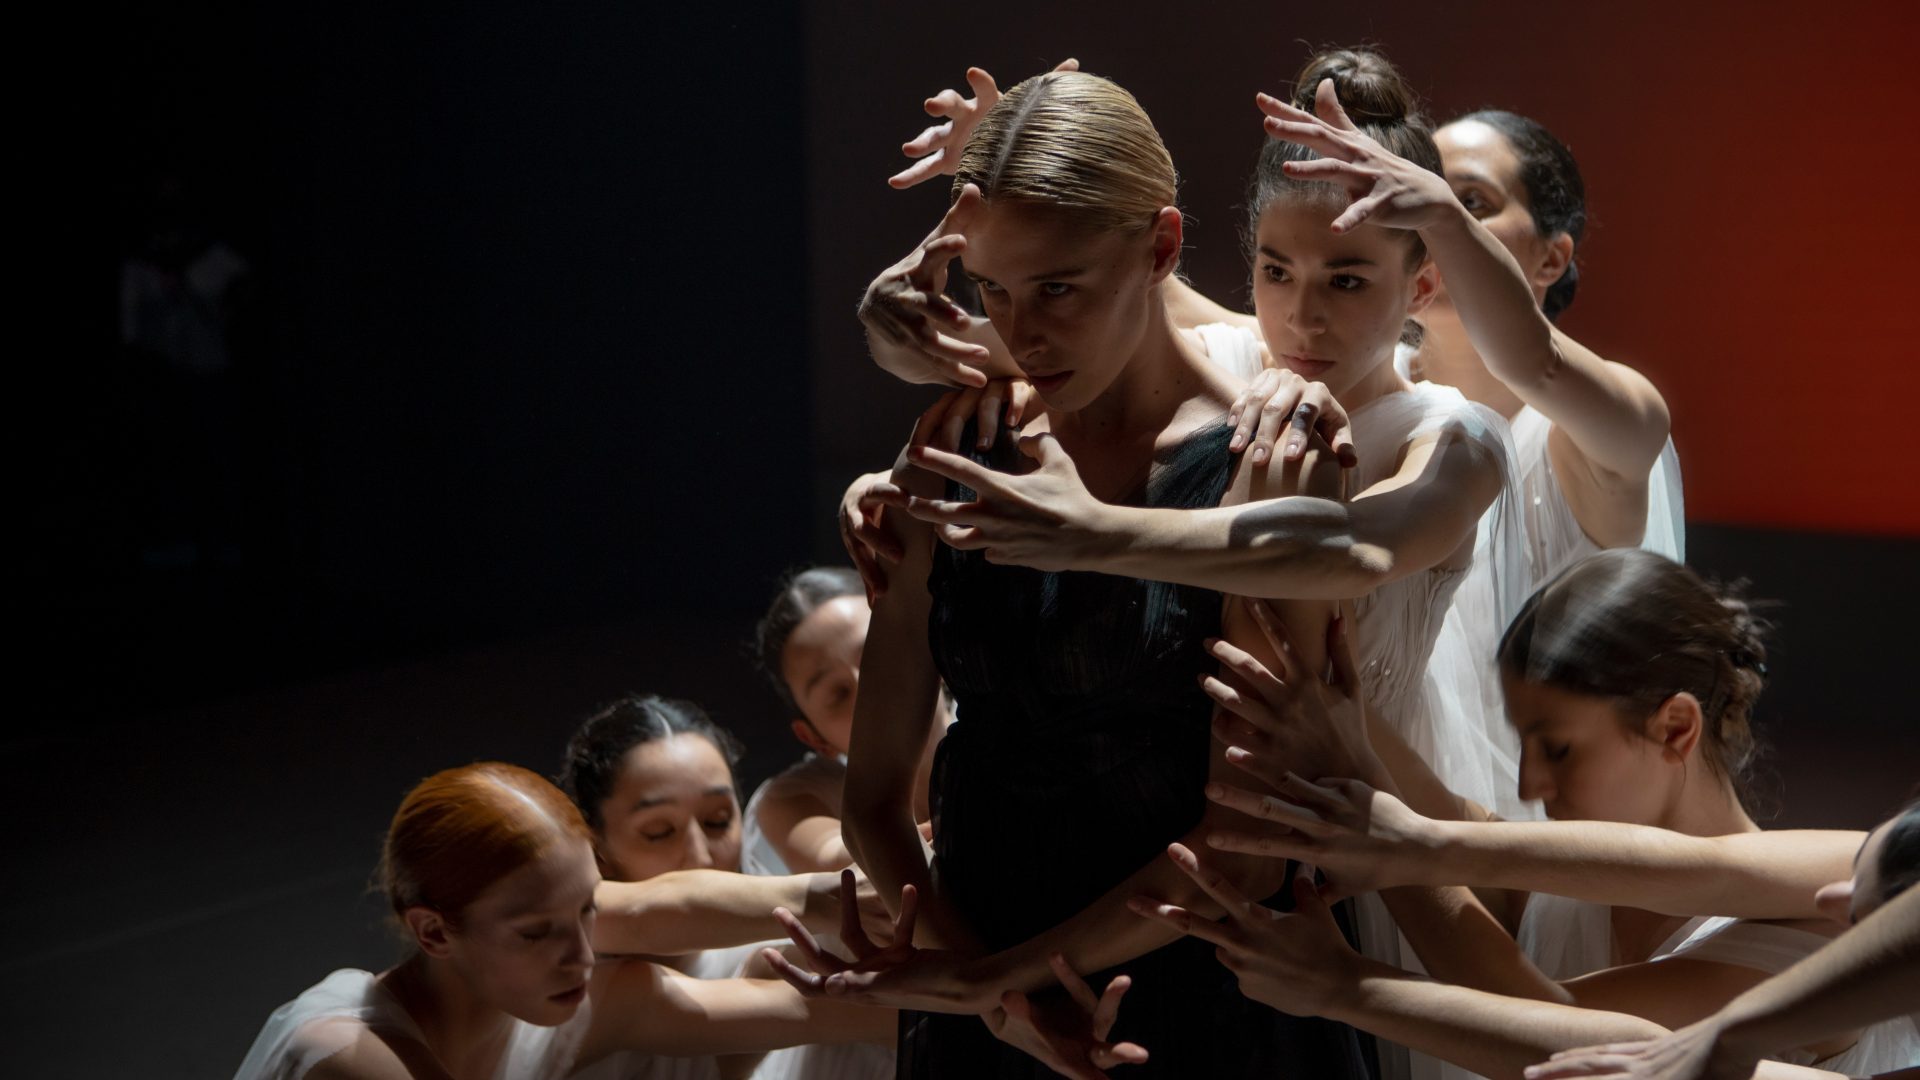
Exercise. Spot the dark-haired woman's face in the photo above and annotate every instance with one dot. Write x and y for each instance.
(1484, 172)
(1071, 303)
(821, 667)
(672, 807)
(1332, 306)
(1582, 763)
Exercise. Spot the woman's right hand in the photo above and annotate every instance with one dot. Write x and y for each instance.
(827, 908)
(1067, 1035)
(911, 324)
(1362, 840)
(1277, 723)
(1279, 397)
(937, 149)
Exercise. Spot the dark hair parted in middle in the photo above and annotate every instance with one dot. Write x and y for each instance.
(597, 749)
(1556, 195)
(800, 594)
(1638, 628)
(1379, 101)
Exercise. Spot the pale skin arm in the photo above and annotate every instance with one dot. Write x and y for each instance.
(706, 909)
(805, 833)
(1870, 973)
(641, 1006)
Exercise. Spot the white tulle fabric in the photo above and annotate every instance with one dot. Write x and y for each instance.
(823, 779)
(1234, 349)
(1555, 539)
(330, 1015)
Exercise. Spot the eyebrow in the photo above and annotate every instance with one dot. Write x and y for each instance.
(1472, 176)
(1330, 264)
(643, 804)
(813, 680)
(1056, 275)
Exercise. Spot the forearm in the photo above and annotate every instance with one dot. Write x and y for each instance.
(731, 1016)
(689, 910)
(1493, 1035)
(1108, 932)
(1188, 307)
(1868, 974)
(1296, 547)
(1761, 875)
(1460, 942)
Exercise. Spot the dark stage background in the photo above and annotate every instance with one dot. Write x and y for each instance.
(541, 367)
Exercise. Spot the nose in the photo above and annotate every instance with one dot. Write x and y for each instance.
(1305, 314)
(699, 856)
(580, 949)
(1536, 783)
(1020, 331)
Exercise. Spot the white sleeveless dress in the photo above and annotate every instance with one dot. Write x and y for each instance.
(1554, 537)
(1568, 938)
(823, 779)
(330, 1015)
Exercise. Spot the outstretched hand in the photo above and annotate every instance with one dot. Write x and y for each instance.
(1694, 1052)
(899, 976)
(1045, 518)
(1067, 1035)
(1362, 840)
(906, 308)
(1298, 963)
(1274, 724)
(938, 147)
(1384, 188)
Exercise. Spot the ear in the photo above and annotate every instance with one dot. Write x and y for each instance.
(1168, 232)
(1426, 285)
(1676, 726)
(1555, 260)
(1835, 901)
(813, 740)
(430, 931)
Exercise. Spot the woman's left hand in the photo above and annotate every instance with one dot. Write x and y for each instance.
(1386, 189)
(1293, 721)
(1045, 519)
(1068, 1036)
(1297, 963)
(1695, 1052)
(899, 976)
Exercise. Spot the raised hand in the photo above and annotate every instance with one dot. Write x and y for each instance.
(827, 905)
(1384, 188)
(938, 147)
(1044, 519)
(1068, 1036)
(1361, 839)
(864, 532)
(1273, 724)
(1297, 963)
(911, 322)
(1278, 397)
(899, 975)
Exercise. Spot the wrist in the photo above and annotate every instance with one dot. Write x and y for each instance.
(1445, 852)
(1109, 534)
(1348, 992)
(1452, 223)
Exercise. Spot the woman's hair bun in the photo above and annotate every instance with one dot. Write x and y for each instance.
(1371, 89)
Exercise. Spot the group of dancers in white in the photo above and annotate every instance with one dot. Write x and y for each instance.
(1311, 693)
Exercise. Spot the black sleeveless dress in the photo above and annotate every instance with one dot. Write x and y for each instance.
(1079, 750)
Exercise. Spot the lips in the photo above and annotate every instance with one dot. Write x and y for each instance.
(570, 997)
(1306, 366)
(1051, 382)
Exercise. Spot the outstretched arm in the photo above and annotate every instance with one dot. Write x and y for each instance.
(689, 910)
(646, 1007)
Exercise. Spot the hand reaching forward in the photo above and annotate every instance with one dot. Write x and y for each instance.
(1386, 189)
(1361, 839)
(911, 322)
(1694, 1052)
(1297, 963)
(938, 148)
(1067, 1035)
(899, 976)
(1045, 519)
(1294, 721)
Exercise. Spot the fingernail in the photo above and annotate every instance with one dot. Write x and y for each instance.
(1215, 790)
(1236, 443)
(1293, 449)
(1259, 455)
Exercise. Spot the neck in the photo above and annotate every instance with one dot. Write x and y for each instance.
(1162, 374)
(1447, 357)
(464, 1033)
(1374, 385)
(1706, 806)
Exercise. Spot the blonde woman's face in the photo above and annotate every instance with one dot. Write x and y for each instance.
(1071, 303)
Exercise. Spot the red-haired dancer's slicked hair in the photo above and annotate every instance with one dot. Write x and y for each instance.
(461, 830)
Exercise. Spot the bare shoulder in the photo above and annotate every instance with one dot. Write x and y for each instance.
(363, 1053)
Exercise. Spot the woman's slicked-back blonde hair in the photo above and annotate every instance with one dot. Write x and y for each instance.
(1076, 142)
